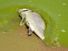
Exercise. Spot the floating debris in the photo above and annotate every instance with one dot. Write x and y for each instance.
(59, 15)
(30, 1)
(63, 30)
(64, 4)
(55, 42)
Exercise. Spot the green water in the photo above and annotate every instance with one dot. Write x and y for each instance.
(54, 12)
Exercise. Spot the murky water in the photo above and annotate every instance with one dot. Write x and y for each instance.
(54, 14)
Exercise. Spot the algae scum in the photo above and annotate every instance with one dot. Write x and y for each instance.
(54, 13)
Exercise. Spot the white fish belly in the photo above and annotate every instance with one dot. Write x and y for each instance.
(36, 24)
